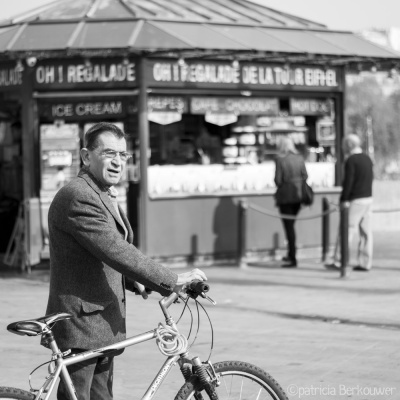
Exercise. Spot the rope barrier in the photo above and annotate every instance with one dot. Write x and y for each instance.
(386, 211)
(315, 216)
(286, 216)
(374, 210)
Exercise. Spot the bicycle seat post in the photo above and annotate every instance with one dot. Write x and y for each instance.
(51, 342)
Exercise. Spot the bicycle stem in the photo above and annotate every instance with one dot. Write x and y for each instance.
(165, 303)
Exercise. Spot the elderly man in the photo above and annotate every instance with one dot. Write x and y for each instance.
(357, 196)
(93, 261)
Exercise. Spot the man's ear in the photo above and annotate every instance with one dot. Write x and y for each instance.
(85, 156)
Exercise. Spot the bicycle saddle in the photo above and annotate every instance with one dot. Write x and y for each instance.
(34, 327)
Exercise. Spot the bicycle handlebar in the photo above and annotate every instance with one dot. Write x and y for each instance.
(198, 287)
(194, 289)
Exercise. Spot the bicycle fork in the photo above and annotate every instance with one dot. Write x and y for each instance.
(204, 373)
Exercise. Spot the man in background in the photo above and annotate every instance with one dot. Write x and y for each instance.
(357, 197)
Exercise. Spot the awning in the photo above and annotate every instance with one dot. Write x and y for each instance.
(158, 36)
(220, 29)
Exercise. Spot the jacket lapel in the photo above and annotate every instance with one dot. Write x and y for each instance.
(87, 176)
(127, 224)
(107, 202)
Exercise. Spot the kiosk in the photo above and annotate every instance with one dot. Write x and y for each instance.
(204, 93)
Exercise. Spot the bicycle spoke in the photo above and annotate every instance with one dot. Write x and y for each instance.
(259, 392)
(226, 387)
(241, 390)
(230, 388)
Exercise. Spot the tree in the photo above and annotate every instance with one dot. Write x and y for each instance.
(366, 97)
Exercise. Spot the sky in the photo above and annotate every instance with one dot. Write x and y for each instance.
(353, 15)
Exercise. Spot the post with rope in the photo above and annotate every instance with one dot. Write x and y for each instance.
(325, 228)
(242, 233)
(344, 241)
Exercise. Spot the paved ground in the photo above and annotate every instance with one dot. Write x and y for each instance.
(320, 336)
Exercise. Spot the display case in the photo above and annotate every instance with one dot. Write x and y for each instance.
(218, 179)
(203, 152)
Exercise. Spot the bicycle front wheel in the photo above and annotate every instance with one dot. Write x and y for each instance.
(239, 380)
(16, 394)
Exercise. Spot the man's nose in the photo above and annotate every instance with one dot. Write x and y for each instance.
(117, 159)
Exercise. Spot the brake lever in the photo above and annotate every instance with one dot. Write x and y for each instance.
(204, 296)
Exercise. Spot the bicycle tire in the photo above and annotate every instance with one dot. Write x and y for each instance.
(15, 394)
(237, 378)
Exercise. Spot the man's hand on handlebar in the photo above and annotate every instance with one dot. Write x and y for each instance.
(187, 277)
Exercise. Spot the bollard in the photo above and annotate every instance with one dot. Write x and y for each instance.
(242, 224)
(275, 243)
(344, 240)
(325, 228)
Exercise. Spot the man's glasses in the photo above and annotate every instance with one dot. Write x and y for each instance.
(123, 155)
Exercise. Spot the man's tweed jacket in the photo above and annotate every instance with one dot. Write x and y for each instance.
(89, 263)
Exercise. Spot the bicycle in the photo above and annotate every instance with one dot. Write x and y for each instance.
(203, 380)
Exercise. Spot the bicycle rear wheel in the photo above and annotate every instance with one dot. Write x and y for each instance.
(16, 394)
(239, 380)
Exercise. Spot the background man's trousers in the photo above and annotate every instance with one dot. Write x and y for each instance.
(360, 211)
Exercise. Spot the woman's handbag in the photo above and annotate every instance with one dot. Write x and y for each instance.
(307, 194)
(286, 193)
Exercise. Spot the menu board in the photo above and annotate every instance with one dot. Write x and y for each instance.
(234, 105)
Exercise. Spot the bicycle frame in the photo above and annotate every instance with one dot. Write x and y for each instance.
(62, 363)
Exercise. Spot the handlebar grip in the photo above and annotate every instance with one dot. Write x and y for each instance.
(199, 286)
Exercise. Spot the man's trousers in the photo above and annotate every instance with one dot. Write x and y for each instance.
(93, 379)
(360, 223)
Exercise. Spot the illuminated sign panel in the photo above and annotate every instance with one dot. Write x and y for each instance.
(245, 75)
(234, 105)
(101, 73)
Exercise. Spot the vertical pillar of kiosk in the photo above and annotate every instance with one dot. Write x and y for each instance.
(325, 228)
(242, 233)
(144, 148)
(344, 241)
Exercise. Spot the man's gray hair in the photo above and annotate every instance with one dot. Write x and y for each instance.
(351, 141)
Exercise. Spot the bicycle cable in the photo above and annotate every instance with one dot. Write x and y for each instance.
(169, 341)
(186, 301)
(172, 340)
(212, 332)
(198, 323)
(30, 375)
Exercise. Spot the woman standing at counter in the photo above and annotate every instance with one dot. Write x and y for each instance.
(290, 173)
